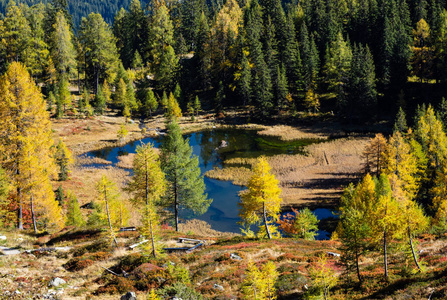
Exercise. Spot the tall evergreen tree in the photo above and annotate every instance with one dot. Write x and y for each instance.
(185, 186)
(101, 53)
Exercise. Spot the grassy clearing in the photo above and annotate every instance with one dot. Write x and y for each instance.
(315, 179)
(289, 133)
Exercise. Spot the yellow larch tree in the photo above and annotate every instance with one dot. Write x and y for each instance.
(373, 154)
(413, 217)
(25, 136)
(323, 276)
(269, 275)
(108, 197)
(148, 184)
(253, 287)
(399, 160)
(173, 109)
(261, 202)
(432, 136)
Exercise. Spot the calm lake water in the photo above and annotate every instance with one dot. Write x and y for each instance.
(223, 212)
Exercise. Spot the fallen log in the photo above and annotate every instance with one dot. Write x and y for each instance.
(131, 247)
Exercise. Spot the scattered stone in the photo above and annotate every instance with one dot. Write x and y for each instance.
(166, 265)
(19, 239)
(2, 237)
(129, 296)
(218, 287)
(333, 254)
(57, 282)
(235, 257)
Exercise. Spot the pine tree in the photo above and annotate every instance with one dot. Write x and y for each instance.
(61, 46)
(197, 106)
(15, 33)
(400, 125)
(25, 133)
(100, 101)
(338, 63)
(261, 81)
(161, 39)
(186, 188)
(74, 215)
(202, 58)
(119, 99)
(101, 54)
(150, 103)
(361, 87)
(63, 159)
(147, 186)
(261, 202)
(63, 98)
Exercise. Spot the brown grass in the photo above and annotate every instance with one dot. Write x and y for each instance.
(316, 179)
(238, 175)
(289, 133)
(126, 161)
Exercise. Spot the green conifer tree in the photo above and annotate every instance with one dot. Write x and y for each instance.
(185, 188)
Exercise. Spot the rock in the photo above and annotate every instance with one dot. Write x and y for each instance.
(56, 282)
(218, 287)
(2, 238)
(129, 296)
(235, 257)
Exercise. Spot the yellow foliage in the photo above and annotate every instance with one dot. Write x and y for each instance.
(26, 142)
(262, 200)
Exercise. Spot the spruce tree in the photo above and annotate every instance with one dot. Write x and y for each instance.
(185, 185)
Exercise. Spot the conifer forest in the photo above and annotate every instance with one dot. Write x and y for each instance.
(223, 149)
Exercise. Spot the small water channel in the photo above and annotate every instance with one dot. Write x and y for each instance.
(223, 212)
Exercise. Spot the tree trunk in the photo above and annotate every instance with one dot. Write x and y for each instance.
(33, 215)
(357, 258)
(20, 210)
(412, 249)
(108, 218)
(176, 204)
(152, 233)
(265, 221)
(385, 262)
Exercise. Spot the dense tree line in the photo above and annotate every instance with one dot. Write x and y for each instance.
(276, 56)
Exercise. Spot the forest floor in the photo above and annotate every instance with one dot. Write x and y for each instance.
(83, 268)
